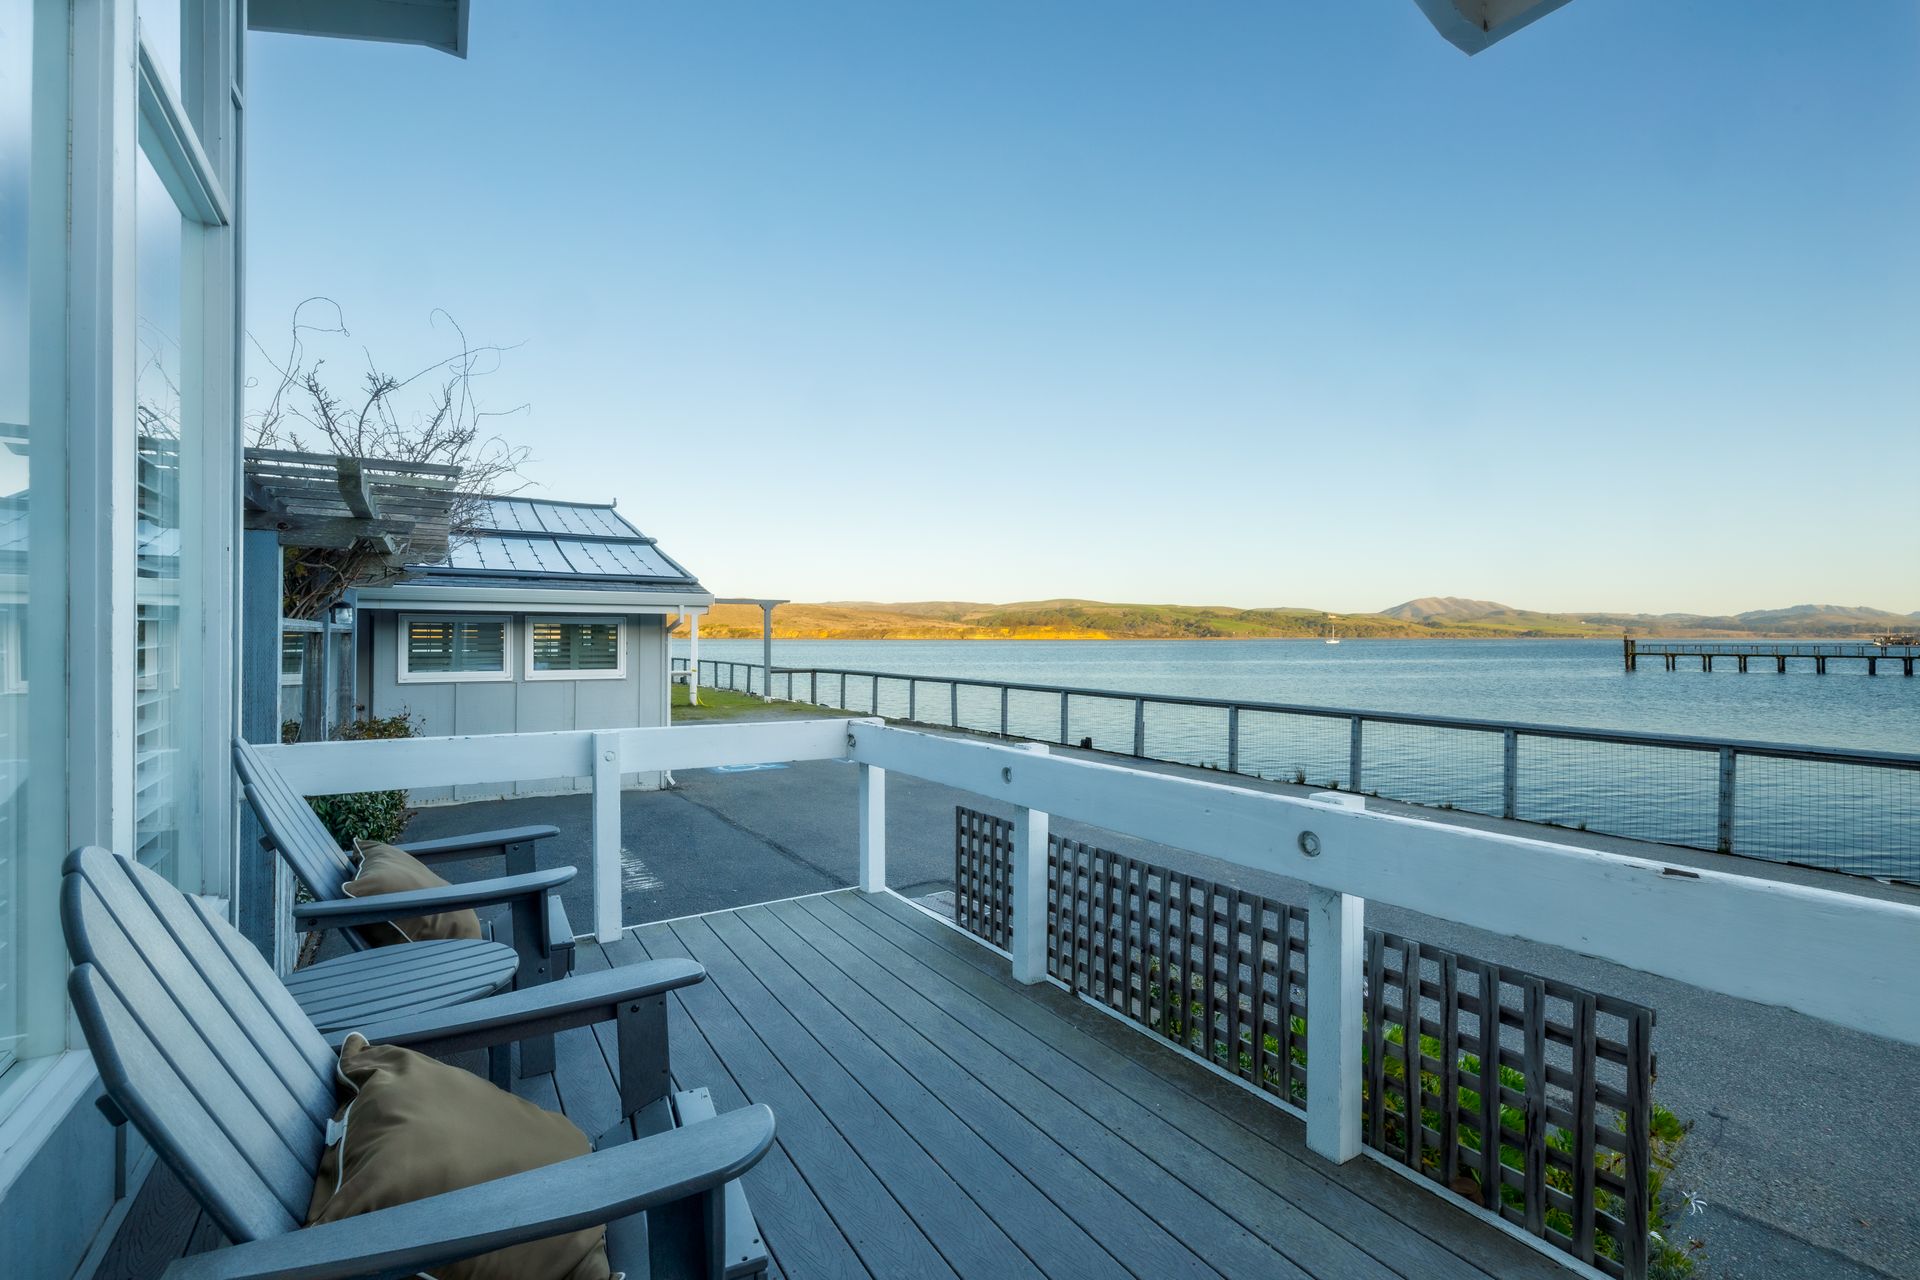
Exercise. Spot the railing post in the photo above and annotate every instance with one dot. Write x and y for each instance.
(606, 837)
(1003, 710)
(913, 690)
(873, 829)
(1139, 727)
(1336, 943)
(1353, 757)
(953, 703)
(813, 687)
(1063, 717)
(1029, 871)
(1509, 773)
(1726, 800)
(1233, 739)
(1336, 931)
(873, 687)
(843, 690)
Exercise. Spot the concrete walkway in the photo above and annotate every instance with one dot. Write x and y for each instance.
(1797, 1124)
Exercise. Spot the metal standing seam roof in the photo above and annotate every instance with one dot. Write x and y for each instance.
(560, 544)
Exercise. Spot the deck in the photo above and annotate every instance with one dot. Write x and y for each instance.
(939, 1120)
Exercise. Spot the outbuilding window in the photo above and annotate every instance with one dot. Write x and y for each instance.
(576, 649)
(434, 647)
(293, 656)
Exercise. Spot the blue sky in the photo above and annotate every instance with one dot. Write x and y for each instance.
(1226, 303)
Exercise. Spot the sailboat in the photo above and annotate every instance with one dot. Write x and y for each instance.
(1331, 636)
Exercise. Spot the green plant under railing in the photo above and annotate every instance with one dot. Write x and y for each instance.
(1668, 1259)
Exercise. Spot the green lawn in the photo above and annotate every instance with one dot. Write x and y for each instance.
(728, 704)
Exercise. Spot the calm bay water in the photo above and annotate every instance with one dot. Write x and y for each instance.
(1863, 820)
(1571, 682)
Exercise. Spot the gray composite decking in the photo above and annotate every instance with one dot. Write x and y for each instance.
(937, 1119)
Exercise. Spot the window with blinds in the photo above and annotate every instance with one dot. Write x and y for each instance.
(293, 655)
(578, 649)
(450, 648)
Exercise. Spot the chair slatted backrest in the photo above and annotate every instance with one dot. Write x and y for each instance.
(198, 1043)
(290, 822)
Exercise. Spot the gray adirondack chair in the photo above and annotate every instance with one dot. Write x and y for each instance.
(200, 1047)
(542, 935)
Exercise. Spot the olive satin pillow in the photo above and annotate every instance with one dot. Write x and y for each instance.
(411, 1127)
(385, 869)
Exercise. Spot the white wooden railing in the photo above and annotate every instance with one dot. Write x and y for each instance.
(1843, 958)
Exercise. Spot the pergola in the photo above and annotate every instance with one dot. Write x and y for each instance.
(398, 510)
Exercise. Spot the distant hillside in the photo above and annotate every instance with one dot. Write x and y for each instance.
(1430, 617)
(1443, 608)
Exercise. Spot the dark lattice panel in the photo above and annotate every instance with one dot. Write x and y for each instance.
(1223, 974)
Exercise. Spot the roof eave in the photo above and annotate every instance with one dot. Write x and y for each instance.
(434, 24)
(524, 598)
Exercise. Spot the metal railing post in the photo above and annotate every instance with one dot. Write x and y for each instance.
(1336, 943)
(843, 690)
(1004, 691)
(913, 687)
(873, 687)
(1139, 727)
(606, 837)
(813, 687)
(1353, 756)
(1509, 773)
(1233, 739)
(873, 829)
(1725, 807)
(1063, 717)
(953, 703)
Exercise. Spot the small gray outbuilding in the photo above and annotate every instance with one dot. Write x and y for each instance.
(544, 615)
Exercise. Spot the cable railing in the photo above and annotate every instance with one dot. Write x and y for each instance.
(1832, 808)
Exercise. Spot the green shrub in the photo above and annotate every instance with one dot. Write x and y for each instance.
(1667, 1259)
(368, 815)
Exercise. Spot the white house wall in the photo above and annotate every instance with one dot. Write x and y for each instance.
(447, 708)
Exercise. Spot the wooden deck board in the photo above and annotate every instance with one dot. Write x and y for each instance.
(938, 1119)
(915, 1082)
(1354, 1197)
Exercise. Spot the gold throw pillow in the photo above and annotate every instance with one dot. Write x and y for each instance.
(411, 1127)
(385, 869)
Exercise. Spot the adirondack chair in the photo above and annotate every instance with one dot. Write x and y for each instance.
(542, 935)
(200, 1047)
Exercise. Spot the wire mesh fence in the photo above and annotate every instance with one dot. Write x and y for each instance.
(1850, 811)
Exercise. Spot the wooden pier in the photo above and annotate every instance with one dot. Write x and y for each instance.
(1819, 653)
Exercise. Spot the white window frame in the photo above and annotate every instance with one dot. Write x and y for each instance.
(288, 678)
(99, 101)
(619, 671)
(403, 675)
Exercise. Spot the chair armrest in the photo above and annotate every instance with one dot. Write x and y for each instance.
(582, 1000)
(338, 913)
(479, 841)
(582, 1192)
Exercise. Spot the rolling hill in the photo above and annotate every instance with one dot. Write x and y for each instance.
(1429, 617)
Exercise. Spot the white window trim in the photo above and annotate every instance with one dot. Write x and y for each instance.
(619, 671)
(404, 676)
